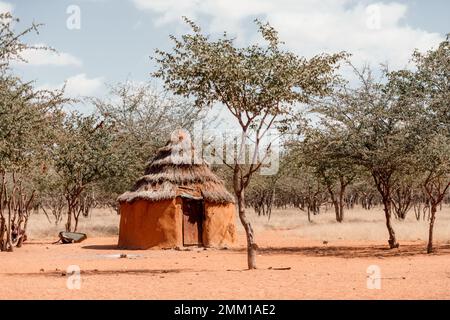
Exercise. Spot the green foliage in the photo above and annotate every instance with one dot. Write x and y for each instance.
(322, 151)
(84, 154)
(27, 118)
(11, 45)
(143, 120)
(84, 151)
(258, 84)
(377, 128)
(251, 81)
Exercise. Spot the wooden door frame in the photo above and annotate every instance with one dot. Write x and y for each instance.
(201, 202)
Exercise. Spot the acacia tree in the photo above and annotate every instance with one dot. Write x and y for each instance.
(321, 150)
(435, 163)
(50, 198)
(379, 133)
(258, 85)
(24, 121)
(265, 191)
(302, 189)
(143, 117)
(434, 72)
(11, 41)
(402, 196)
(84, 153)
(25, 114)
(428, 88)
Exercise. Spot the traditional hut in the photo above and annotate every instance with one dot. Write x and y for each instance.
(178, 202)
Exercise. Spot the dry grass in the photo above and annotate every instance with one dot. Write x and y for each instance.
(101, 222)
(359, 224)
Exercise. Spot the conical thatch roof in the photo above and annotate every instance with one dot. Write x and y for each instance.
(177, 171)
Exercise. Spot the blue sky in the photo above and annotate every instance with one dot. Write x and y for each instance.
(116, 37)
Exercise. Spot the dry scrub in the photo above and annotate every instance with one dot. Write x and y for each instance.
(101, 222)
(359, 224)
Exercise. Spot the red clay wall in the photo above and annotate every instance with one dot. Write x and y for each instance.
(219, 225)
(145, 224)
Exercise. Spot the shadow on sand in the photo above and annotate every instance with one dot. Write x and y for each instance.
(102, 247)
(59, 273)
(374, 251)
(353, 251)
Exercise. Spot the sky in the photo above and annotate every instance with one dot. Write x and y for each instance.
(102, 42)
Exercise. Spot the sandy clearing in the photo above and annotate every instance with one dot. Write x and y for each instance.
(337, 270)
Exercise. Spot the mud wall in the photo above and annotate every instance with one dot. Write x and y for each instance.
(219, 228)
(145, 224)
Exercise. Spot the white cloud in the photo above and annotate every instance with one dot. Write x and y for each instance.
(5, 7)
(372, 32)
(48, 57)
(169, 10)
(79, 85)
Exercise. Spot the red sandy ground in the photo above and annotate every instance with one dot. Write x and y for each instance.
(336, 270)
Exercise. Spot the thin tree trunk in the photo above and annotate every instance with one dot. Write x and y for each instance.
(9, 246)
(387, 212)
(2, 233)
(251, 245)
(430, 233)
(341, 205)
(383, 186)
(335, 203)
(69, 218)
(76, 217)
(343, 185)
(433, 203)
(336, 210)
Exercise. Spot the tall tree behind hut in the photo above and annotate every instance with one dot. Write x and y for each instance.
(258, 85)
(378, 131)
(143, 117)
(26, 116)
(427, 88)
(83, 154)
(321, 150)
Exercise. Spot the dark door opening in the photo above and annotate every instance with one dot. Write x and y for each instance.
(192, 222)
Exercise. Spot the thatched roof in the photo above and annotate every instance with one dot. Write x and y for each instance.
(177, 171)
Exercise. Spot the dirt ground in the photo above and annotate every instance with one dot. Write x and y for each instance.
(338, 269)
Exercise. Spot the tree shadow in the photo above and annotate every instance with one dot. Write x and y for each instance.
(59, 273)
(103, 247)
(349, 252)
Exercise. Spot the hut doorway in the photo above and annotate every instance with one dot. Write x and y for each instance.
(192, 222)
